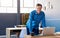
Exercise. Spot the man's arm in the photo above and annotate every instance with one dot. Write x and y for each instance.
(30, 18)
(43, 23)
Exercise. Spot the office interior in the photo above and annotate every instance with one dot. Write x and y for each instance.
(16, 12)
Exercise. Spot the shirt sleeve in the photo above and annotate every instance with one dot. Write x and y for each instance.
(43, 23)
(31, 18)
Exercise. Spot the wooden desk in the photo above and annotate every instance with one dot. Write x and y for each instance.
(53, 36)
(8, 30)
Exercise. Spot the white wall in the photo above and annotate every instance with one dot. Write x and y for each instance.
(54, 13)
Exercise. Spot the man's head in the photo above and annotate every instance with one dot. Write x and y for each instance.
(38, 8)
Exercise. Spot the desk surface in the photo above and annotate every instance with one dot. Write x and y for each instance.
(16, 28)
(20, 28)
(54, 36)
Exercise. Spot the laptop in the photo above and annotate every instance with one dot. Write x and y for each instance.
(49, 31)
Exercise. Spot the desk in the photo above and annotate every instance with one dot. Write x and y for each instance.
(53, 36)
(8, 30)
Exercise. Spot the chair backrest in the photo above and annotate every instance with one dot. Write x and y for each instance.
(25, 18)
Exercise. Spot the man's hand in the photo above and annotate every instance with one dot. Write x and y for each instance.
(32, 33)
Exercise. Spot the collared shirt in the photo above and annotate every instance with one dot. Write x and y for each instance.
(35, 19)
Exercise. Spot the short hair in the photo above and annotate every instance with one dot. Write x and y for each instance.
(39, 4)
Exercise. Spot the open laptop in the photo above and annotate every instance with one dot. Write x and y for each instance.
(49, 31)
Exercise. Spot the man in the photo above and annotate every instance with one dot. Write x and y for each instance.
(36, 16)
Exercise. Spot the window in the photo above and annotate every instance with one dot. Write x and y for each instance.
(28, 3)
(8, 6)
(26, 6)
(6, 3)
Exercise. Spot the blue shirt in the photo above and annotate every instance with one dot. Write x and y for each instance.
(35, 19)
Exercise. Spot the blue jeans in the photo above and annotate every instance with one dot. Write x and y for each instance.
(35, 30)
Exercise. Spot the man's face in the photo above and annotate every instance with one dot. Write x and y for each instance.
(38, 8)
